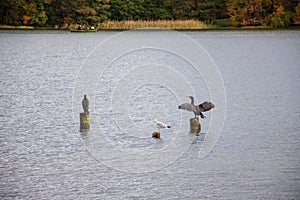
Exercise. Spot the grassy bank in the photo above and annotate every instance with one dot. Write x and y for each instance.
(130, 24)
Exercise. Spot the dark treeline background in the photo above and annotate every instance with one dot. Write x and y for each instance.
(276, 13)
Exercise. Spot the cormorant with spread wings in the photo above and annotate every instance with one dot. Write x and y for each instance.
(197, 109)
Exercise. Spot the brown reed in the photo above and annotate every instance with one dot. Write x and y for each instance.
(165, 24)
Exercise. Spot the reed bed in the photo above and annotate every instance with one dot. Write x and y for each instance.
(15, 27)
(165, 24)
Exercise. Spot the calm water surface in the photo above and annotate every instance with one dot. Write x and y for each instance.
(43, 156)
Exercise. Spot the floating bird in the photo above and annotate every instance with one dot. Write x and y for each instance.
(160, 125)
(85, 104)
(197, 109)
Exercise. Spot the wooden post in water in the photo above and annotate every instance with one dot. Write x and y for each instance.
(195, 125)
(85, 121)
(85, 116)
(156, 134)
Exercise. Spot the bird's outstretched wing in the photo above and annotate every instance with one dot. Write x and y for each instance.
(206, 106)
(188, 107)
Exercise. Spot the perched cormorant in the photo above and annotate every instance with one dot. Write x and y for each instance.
(85, 104)
(197, 110)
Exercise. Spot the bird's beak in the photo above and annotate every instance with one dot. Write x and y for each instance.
(212, 105)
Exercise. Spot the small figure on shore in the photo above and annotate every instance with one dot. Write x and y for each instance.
(85, 104)
(79, 27)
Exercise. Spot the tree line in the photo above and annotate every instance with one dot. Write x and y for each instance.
(276, 13)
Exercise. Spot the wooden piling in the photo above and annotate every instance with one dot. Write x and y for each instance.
(195, 125)
(156, 134)
(85, 121)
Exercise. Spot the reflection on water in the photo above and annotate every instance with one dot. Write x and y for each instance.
(44, 157)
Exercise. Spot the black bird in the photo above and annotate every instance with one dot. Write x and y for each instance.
(85, 104)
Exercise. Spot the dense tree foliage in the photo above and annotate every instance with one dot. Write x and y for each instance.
(62, 13)
(276, 13)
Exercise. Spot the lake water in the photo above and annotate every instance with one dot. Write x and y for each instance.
(44, 75)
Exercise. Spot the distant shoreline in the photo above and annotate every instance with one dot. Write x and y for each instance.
(187, 25)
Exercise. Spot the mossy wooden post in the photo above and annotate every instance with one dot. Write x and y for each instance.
(85, 121)
(156, 134)
(195, 125)
(85, 116)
